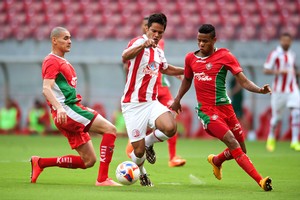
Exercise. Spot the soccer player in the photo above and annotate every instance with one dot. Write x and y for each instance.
(164, 97)
(72, 118)
(139, 103)
(281, 63)
(208, 67)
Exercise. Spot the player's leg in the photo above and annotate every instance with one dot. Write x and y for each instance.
(102, 126)
(244, 161)
(277, 103)
(295, 112)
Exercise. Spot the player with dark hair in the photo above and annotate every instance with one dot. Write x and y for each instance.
(72, 118)
(165, 97)
(281, 64)
(208, 67)
(140, 107)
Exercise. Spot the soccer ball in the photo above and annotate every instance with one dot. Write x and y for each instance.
(127, 173)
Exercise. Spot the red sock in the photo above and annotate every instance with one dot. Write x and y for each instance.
(106, 152)
(172, 146)
(68, 161)
(225, 155)
(244, 162)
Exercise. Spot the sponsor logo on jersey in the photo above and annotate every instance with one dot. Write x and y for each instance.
(202, 77)
(200, 61)
(151, 69)
(214, 117)
(208, 66)
(136, 133)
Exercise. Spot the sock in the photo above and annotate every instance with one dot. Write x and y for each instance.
(106, 152)
(245, 163)
(172, 146)
(295, 133)
(155, 136)
(219, 159)
(139, 162)
(295, 123)
(271, 132)
(68, 161)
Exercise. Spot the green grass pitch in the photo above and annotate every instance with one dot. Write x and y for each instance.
(193, 181)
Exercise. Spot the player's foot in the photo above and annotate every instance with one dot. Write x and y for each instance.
(36, 170)
(266, 184)
(216, 170)
(107, 182)
(150, 154)
(129, 149)
(145, 181)
(295, 146)
(271, 144)
(177, 162)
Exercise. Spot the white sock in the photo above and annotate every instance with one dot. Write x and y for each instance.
(271, 132)
(295, 133)
(139, 162)
(295, 124)
(155, 136)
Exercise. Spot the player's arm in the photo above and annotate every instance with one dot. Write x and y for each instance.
(49, 95)
(184, 87)
(173, 70)
(132, 52)
(250, 86)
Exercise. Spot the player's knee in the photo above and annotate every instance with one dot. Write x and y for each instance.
(170, 129)
(112, 129)
(139, 152)
(90, 163)
(230, 140)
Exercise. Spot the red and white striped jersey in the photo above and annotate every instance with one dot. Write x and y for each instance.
(278, 60)
(142, 77)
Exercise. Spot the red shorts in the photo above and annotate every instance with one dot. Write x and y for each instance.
(79, 120)
(164, 96)
(218, 120)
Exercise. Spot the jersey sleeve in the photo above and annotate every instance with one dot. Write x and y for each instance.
(270, 62)
(134, 43)
(232, 64)
(188, 72)
(50, 69)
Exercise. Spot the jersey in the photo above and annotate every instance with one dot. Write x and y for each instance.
(143, 70)
(209, 75)
(279, 59)
(58, 68)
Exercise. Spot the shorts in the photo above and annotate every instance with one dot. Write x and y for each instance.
(279, 101)
(139, 116)
(218, 120)
(79, 120)
(165, 96)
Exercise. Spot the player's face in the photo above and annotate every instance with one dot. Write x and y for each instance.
(63, 42)
(206, 44)
(155, 32)
(144, 26)
(285, 42)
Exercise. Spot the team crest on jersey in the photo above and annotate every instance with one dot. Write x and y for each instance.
(74, 81)
(135, 133)
(214, 117)
(151, 69)
(208, 66)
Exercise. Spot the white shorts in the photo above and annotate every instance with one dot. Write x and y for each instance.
(138, 116)
(279, 101)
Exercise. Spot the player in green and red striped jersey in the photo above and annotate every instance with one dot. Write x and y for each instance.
(208, 67)
(72, 118)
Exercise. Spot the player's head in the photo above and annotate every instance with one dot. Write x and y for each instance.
(157, 24)
(144, 24)
(206, 39)
(285, 40)
(61, 40)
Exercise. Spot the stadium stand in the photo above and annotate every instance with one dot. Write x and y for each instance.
(120, 19)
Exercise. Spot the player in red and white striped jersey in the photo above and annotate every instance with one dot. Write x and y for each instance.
(140, 107)
(281, 63)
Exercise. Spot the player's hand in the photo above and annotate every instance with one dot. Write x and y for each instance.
(265, 89)
(61, 116)
(175, 106)
(149, 43)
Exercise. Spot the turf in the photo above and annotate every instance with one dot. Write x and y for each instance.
(193, 181)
